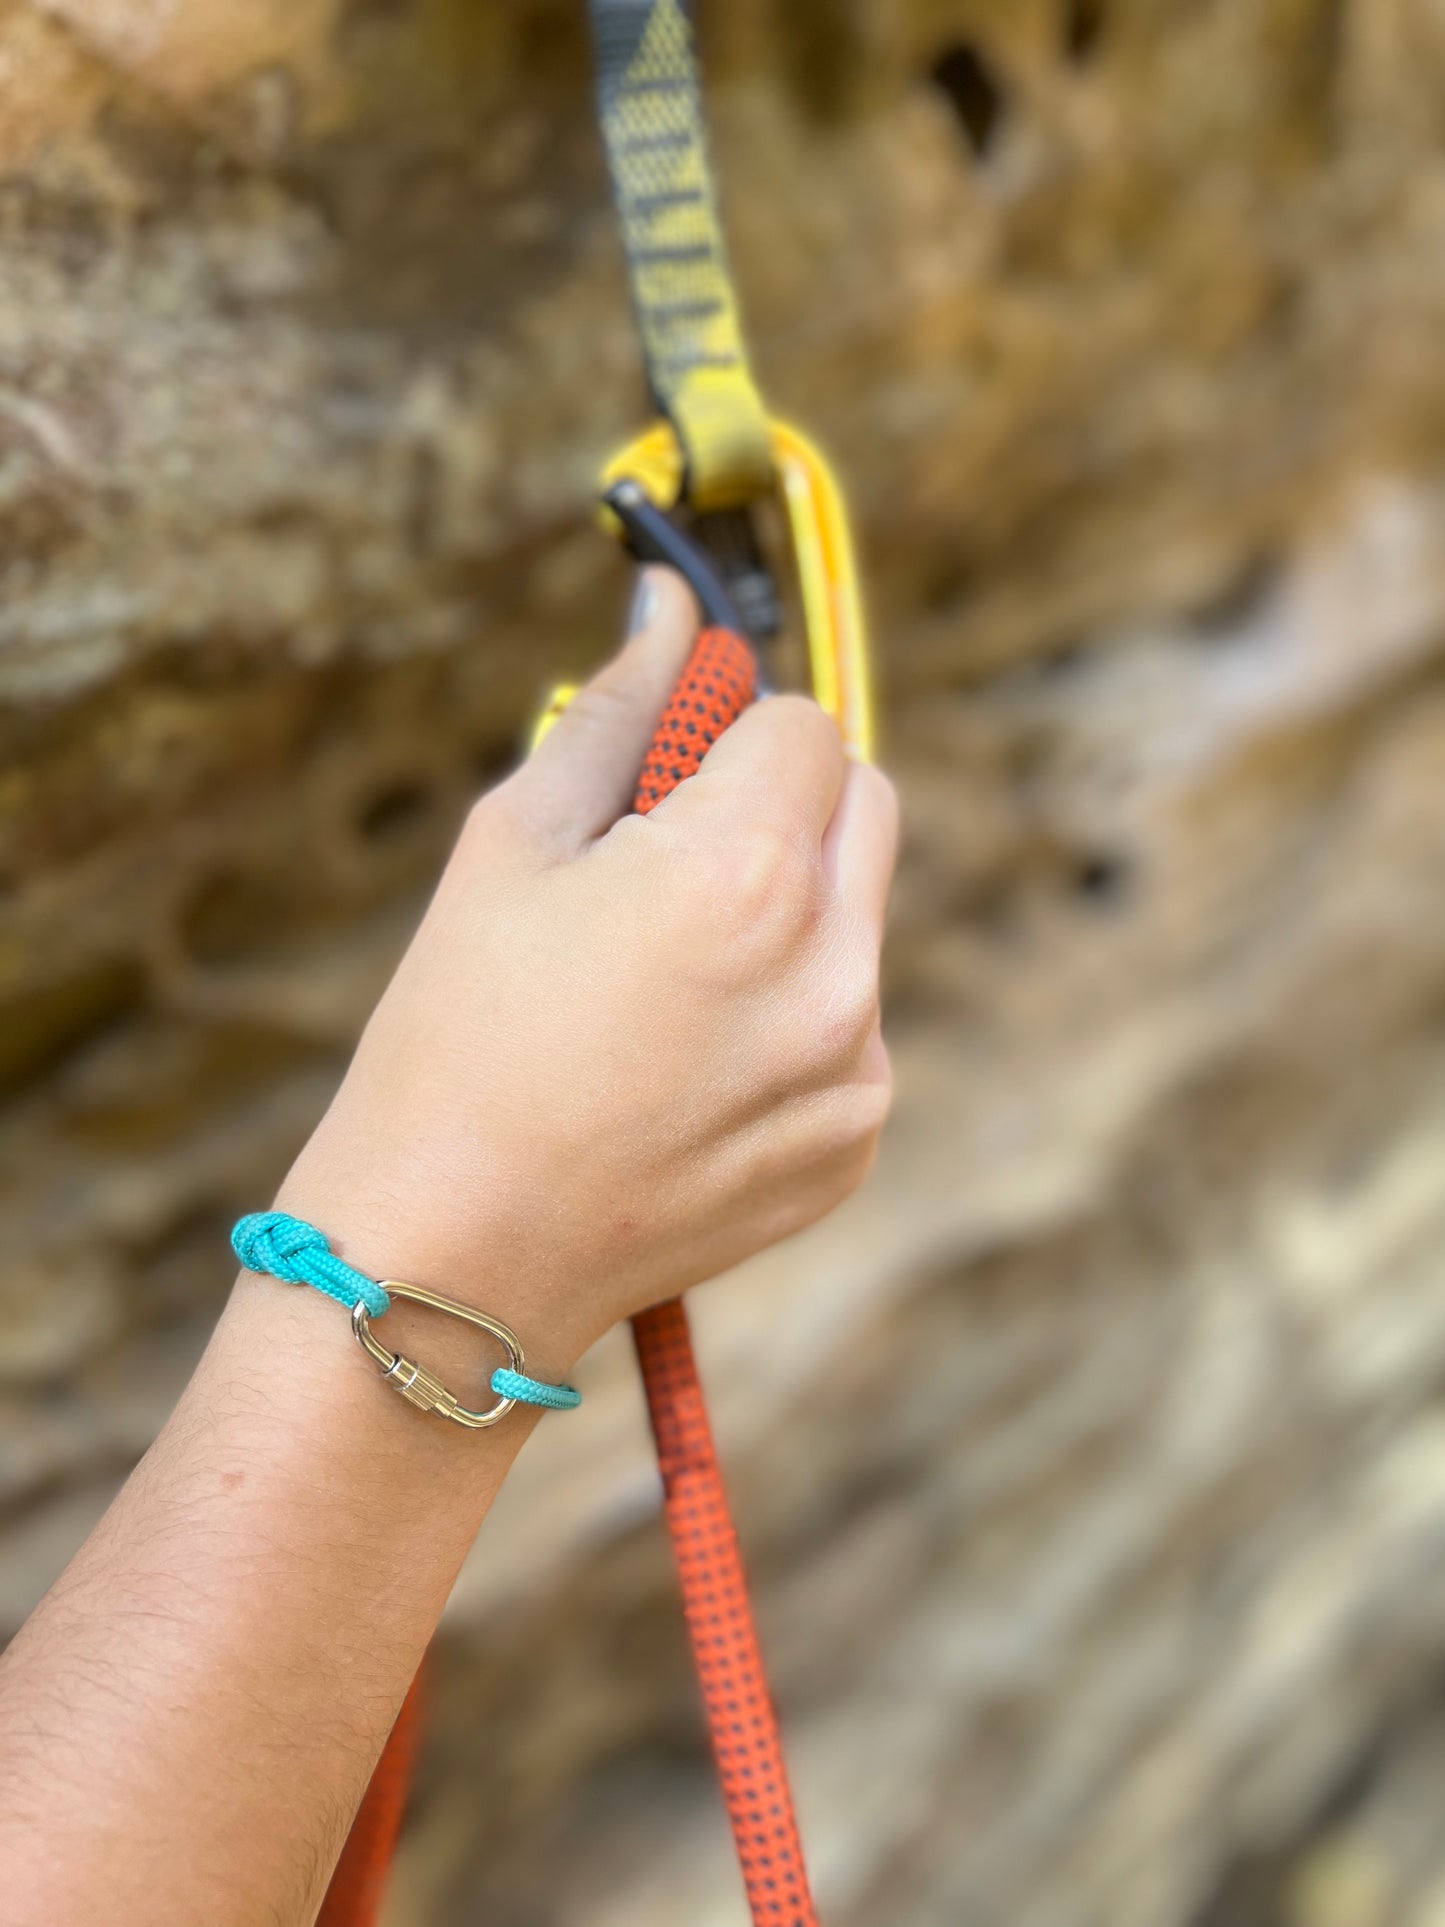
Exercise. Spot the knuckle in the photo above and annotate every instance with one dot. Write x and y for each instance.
(854, 1016)
(873, 1104)
(764, 885)
(858, 1156)
(849, 1129)
(845, 1016)
(848, 1145)
(599, 704)
(865, 1109)
(881, 792)
(803, 717)
(804, 732)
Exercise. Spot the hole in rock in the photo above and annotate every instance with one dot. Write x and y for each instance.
(393, 810)
(40, 1028)
(231, 916)
(1239, 601)
(825, 55)
(1102, 878)
(492, 758)
(1084, 24)
(1064, 660)
(973, 90)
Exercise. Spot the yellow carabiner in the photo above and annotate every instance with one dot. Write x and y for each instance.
(822, 544)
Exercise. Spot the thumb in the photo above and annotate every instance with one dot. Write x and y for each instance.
(580, 778)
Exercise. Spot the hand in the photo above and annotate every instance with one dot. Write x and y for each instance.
(619, 1056)
(623, 1053)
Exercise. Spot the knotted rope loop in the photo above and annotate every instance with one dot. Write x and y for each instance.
(287, 1247)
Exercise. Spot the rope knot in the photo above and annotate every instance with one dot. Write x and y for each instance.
(272, 1241)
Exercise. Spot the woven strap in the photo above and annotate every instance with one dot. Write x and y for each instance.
(682, 290)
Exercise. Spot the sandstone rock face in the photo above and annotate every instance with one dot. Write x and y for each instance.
(1093, 1470)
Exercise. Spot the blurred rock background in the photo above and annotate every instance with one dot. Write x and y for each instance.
(1092, 1464)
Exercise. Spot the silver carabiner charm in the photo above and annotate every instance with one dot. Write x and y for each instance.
(416, 1384)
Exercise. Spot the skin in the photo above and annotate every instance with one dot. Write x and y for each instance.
(621, 1055)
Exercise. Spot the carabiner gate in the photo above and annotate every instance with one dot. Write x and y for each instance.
(642, 487)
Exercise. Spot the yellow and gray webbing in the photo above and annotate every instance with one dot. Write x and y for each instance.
(697, 364)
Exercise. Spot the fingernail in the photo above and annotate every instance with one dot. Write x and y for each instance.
(644, 605)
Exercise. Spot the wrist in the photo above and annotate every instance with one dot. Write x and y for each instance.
(286, 1391)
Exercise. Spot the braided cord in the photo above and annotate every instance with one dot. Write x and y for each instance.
(682, 289)
(533, 1391)
(289, 1248)
(274, 1243)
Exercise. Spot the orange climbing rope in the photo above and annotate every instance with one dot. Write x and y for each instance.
(747, 1744)
(716, 686)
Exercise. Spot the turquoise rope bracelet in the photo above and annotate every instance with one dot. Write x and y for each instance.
(274, 1243)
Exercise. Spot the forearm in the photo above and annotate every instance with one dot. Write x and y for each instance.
(188, 1722)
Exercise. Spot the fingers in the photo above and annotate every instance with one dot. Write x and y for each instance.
(782, 761)
(580, 778)
(860, 848)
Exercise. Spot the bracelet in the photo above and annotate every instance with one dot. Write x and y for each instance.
(274, 1243)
